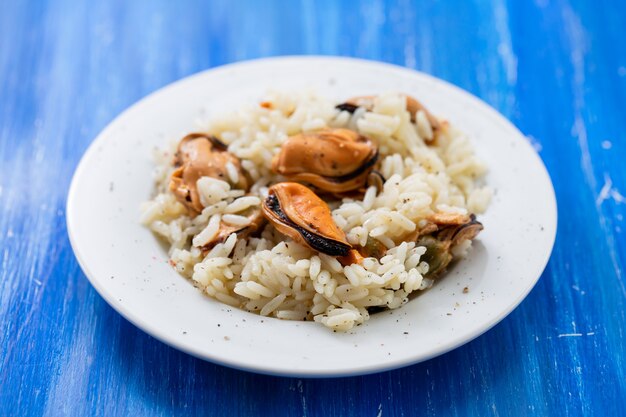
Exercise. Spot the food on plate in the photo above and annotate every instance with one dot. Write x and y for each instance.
(414, 107)
(243, 224)
(300, 208)
(441, 235)
(295, 211)
(335, 160)
(200, 155)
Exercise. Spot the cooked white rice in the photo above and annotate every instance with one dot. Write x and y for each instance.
(274, 276)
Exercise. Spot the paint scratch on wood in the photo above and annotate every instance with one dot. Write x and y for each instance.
(608, 191)
(505, 46)
(575, 334)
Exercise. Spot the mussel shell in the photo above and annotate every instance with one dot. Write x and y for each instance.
(449, 231)
(300, 214)
(333, 160)
(201, 155)
(412, 106)
(349, 107)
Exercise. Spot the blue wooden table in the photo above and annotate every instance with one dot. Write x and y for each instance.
(556, 68)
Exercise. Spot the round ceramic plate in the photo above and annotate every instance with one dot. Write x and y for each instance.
(128, 266)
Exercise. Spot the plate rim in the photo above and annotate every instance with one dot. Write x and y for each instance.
(199, 353)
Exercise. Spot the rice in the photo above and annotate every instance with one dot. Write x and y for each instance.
(274, 276)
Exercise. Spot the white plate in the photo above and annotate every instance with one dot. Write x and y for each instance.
(128, 266)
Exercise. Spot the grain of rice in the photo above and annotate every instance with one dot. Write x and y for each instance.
(318, 287)
(233, 175)
(314, 268)
(272, 305)
(228, 273)
(315, 124)
(229, 244)
(385, 241)
(330, 287)
(242, 289)
(378, 231)
(412, 261)
(242, 203)
(352, 275)
(349, 293)
(306, 295)
(290, 315)
(235, 220)
(332, 299)
(209, 232)
(426, 283)
(330, 262)
(216, 262)
(388, 264)
(341, 319)
(259, 289)
(323, 277)
(297, 284)
(369, 197)
(227, 299)
(423, 125)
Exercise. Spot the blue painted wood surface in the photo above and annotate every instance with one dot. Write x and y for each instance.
(557, 69)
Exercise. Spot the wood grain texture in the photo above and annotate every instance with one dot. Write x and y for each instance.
(557, 69)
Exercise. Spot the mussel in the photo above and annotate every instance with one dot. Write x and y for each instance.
(373, 248)
(202, 155)
(332, 160)
(296, 211)
(412, 106)
(441, 234)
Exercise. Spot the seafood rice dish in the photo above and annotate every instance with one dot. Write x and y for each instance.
(301, 207)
